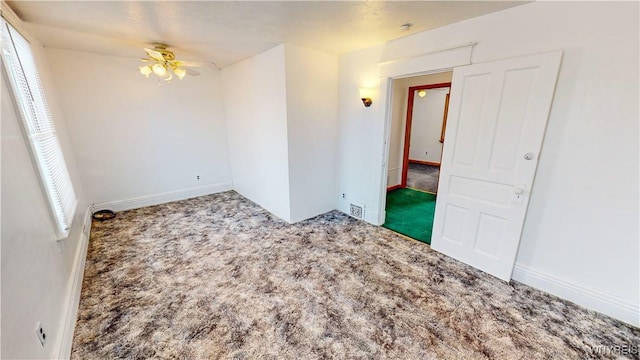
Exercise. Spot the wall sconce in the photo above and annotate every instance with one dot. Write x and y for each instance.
(365, 96)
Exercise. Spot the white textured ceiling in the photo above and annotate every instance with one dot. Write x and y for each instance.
(225, 32)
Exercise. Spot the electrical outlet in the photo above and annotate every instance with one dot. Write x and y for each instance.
(344, 196)
(197, 177)
(357, 211)
(41, 334)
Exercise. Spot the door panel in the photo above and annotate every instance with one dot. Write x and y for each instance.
(511, 119)
(467, 136)
(497, 117)
(480, 190)
(453, 228)
(489, 235)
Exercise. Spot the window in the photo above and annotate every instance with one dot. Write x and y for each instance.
(38, 127)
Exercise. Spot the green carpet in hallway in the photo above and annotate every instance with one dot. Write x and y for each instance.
(410, 212)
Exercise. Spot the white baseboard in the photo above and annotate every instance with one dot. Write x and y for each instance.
(74, 288)
(595, 300)
(156, 199)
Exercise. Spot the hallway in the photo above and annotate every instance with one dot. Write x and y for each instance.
(423, 177)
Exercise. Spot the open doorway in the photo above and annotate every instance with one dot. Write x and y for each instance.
(418, 121)
(426, 120)
(496, 123)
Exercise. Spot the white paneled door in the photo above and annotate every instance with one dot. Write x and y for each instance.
(497, 118)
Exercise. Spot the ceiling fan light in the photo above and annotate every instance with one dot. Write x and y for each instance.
(145, 70)
(161, 62)
(180, 72)
(159, 69)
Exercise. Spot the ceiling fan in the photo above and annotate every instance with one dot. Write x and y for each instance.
(162, 62)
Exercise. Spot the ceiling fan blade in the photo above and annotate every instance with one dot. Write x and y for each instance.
(192, 64)
(155, 55)
(192, 72)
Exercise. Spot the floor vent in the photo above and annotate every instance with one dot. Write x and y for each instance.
(357, 211)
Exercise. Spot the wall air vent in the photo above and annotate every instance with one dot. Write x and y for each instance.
(357, 211)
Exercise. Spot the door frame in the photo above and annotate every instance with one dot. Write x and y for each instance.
(433, 62)
(407, 129)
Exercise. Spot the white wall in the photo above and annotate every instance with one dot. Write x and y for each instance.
(135, 138)
(282, 143)
(37, 272)
(399, 119)
(358, 166)
(580, 238)
(255, 102)
(426, 126)
(312, 103)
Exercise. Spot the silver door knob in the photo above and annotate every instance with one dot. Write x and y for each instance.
(529, 156)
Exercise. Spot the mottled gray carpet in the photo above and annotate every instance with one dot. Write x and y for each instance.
(219, 277)
(423, 177)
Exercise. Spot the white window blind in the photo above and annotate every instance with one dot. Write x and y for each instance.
(38, 127)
